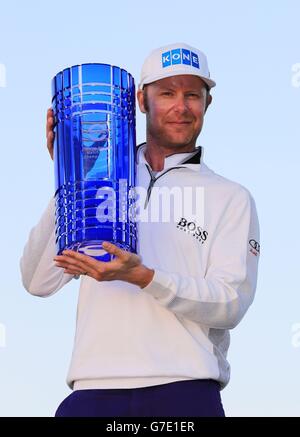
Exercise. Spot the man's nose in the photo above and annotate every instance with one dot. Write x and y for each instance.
(181, 104)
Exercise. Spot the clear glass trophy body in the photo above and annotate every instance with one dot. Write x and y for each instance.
(94, 159)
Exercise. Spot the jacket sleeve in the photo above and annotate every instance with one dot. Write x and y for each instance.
(221, 296)
(40, 276)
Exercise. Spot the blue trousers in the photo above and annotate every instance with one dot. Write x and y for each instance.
(191, 398)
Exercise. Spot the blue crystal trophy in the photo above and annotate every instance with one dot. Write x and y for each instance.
(94, 159)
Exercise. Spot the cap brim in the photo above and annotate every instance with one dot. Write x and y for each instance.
(211, 83)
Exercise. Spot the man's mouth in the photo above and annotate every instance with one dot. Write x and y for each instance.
(179, 122)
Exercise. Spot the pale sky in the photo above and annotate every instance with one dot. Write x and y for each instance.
(251, 135)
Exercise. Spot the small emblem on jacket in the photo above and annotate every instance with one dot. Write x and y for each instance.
(255, 247)
(192, 228)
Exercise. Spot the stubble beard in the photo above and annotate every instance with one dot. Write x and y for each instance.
(163, 139)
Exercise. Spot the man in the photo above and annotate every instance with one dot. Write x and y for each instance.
(153, 329)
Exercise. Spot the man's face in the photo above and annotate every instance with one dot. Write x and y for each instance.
(175, 107)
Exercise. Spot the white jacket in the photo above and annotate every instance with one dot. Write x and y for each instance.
(177, 327)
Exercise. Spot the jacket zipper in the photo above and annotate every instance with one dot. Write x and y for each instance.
(153, 180)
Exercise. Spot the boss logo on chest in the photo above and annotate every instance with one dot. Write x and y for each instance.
(191, 228)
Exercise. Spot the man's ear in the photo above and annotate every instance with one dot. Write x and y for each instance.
(140, 97)
(208, 101)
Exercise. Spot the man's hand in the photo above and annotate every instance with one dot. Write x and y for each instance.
(50, 131)
(125, 267)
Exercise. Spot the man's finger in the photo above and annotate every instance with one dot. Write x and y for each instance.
(81, 257)
(84, 262)
(49, 125)
(50, 138)
(114, 250)
(50, 142)
(49, 120)
(73, 272)
(74, 266)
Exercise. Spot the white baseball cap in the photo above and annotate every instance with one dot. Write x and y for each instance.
(172, 60)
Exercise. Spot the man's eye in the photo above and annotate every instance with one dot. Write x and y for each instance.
(166, 93)
(193, 95)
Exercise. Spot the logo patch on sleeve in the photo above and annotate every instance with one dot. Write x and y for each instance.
(254, 247)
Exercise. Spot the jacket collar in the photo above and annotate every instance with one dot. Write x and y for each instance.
(192, 160)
